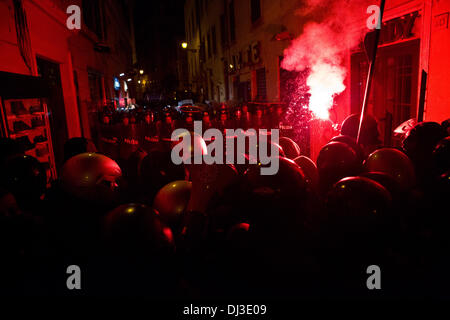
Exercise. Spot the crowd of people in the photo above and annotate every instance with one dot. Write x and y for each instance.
(137, 224)
(122, 133)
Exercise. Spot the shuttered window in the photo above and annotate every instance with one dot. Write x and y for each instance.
(261, 88)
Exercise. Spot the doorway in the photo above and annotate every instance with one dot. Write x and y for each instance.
(393, 96)
(51, 74)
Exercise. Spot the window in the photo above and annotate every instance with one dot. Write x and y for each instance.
(261, 89)
(77, 91)
(232, 22)
(104, 22)
(243, 90)
(95, 87)
(226, 80)
(223, 30)
(209, 45)
(202, 51)
(255, 10)
(393, 97)
(92, 16)
(197, 11)
(214, 40)
(188, 30)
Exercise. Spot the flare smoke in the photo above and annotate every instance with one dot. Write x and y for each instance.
(331, 29)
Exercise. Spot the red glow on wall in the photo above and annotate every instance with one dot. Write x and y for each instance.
(321, 50)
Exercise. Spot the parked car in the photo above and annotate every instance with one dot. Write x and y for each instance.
(195, 111)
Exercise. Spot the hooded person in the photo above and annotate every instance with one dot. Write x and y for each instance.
(369, 137)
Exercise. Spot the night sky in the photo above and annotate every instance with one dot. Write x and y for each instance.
(159, 27)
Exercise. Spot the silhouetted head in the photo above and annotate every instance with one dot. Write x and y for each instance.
(446, 126)
(421, 140)
(77, 145)
(171, 201)
(26, 178)
(290, 148)
(106, 119)
(419, 144)
(91, 177)
(136, 230)
(441, 156)
(357, 208)
(9, 148)
(336, 160)
(369, 129)
(394, 163)
(157, 170)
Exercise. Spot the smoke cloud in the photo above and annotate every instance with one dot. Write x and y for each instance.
(332, 28)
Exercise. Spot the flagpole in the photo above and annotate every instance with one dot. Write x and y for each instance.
(372, 59)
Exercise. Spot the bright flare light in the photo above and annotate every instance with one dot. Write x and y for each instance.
(184, 45)
(320, 50)
(324, 82)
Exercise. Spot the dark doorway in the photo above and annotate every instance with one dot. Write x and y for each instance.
(50, 72)
(393, 97)
(244, 91)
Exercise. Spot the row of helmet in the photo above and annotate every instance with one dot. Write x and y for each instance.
(187, 115)
(151, 208)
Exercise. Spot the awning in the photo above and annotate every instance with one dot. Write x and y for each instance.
(19, 86)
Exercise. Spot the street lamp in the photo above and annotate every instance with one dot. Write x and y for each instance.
(141, 71)
(184, 45)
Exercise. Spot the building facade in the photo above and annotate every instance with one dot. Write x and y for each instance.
(158, 24)
(235, 48)
(81, 67)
